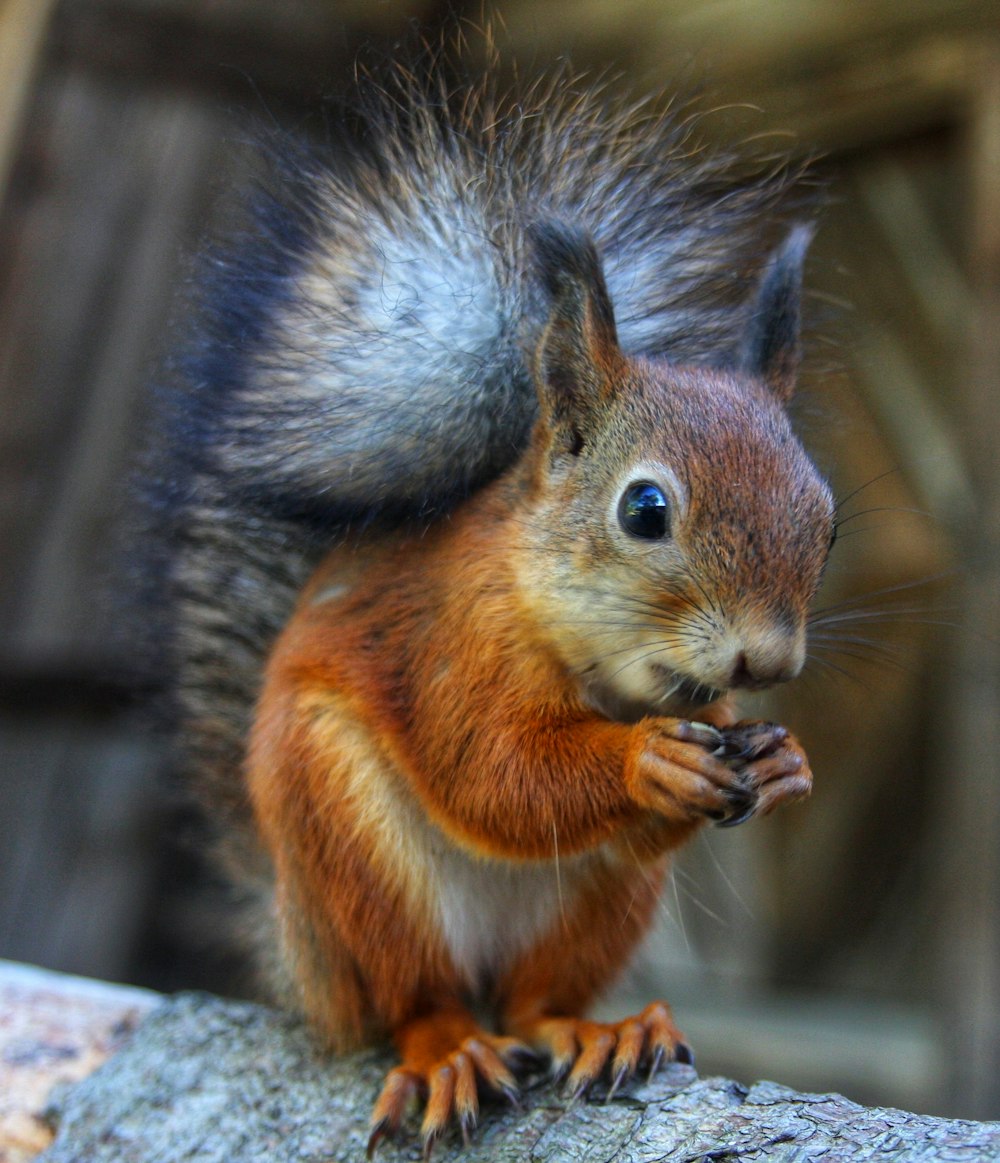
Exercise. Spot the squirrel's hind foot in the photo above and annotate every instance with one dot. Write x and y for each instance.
(446, 1058)
(582, 1050)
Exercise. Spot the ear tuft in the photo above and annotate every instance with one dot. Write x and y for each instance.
(570, 269)
(578, 350)
(770, 348)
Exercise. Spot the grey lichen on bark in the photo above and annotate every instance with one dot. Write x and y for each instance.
(229, 1082)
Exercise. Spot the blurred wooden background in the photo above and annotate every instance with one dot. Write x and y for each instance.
(853, 943)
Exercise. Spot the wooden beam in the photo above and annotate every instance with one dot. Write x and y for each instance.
(968, 811)
(23, 24)
(240, 52)
(836, 75)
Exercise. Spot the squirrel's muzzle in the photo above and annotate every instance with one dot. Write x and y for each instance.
(765, 660)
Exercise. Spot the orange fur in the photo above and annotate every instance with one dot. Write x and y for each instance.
(489, 740)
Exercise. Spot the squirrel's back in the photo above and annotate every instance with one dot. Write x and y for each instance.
(362, 349)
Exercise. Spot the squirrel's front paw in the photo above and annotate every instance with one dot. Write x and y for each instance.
(680, 773)
(769, 763)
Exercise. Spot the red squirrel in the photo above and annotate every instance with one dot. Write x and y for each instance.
(475, 746)
(498, 407)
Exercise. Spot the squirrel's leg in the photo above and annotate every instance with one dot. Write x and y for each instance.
(364, 964)
(362, 968)
(549, 989)
(445, 1056)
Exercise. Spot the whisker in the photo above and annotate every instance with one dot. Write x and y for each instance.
(857, 532)
(698, 904)
(689, 616)
(886, 658)
(612, 625)
(643, 873)
(671, 874)
(839, 503)
(902, 616)
(841, 670)
(651, 653)
(558, 871)
(884, 509)
(658, 648)
(885, 591)
(853, 640)
(707, 845)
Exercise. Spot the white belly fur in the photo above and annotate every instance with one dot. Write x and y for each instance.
(487, 911)
(492, 910)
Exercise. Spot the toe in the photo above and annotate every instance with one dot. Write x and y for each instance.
(440, 1104)
(596, 1044)
(491, 1068)
(659, 1023)
(466, 1097)
(516, 1054)
(628, 1051)
(664, 1042)
(399, 1090)
(557, 1036)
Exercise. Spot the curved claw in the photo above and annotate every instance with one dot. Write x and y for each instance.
(377, 1134)
(596, 1043)
(620, 1075)
(752, 740)
(467, 1123)
(580, 1091)
(655, 1063)
(512, 1095)
(738, 818)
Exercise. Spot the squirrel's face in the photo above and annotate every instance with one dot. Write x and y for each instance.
(679, 546)
(679, 531)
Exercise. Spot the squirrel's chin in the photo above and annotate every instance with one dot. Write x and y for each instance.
(692, 693)
(678, 695)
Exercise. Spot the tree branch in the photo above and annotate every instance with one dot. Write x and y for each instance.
(213, 1080)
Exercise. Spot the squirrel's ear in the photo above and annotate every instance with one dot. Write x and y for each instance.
(771, 344)
(579, 346)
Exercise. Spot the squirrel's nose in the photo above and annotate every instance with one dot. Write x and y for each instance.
(765, 665)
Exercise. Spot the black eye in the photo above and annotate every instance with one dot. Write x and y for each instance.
(643, 511)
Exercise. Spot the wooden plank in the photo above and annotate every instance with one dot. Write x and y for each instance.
(836, 75)
(152, 201)
(83, 810)
(968, 807)
(257, 55)
(23, 25)
(93, 254)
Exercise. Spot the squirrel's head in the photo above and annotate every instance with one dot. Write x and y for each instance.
(678, 530)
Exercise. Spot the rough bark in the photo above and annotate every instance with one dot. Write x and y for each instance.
(228, 1081)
